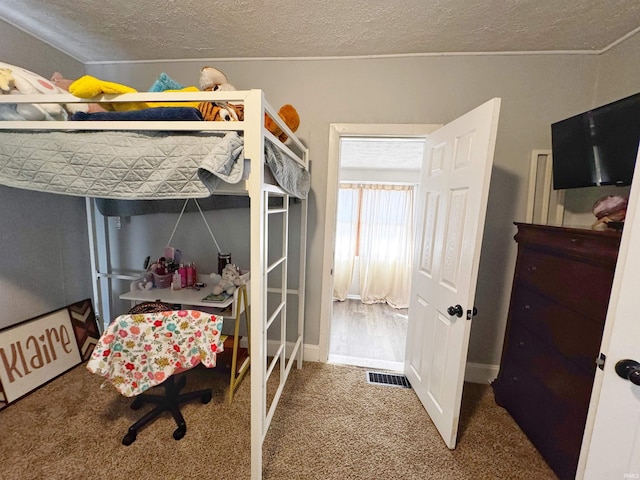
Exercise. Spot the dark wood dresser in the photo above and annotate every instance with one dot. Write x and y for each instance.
(558, 307)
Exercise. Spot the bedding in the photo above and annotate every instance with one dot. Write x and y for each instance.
(293, 179)
(117, 164)
(159, 114)
(141, 165)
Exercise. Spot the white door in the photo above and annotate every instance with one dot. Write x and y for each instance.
(614, 450)
(451, 208)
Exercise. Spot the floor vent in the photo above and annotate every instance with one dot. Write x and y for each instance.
(390, 379)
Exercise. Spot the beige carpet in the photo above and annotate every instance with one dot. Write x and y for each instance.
(330, 425)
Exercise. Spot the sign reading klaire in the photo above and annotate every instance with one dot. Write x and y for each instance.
(38, 350)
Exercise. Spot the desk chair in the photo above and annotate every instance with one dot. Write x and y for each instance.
(170, 401)
(141, 350)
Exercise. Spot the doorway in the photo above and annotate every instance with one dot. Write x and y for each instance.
(372, 333)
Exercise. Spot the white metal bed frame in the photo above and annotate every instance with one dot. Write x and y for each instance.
(259, 191)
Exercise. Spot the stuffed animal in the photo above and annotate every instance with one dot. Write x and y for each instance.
(6, 80)
(164, 82)
(290, 117)
(29, 83)
(58, 79)
(213, 80)
(89, 87)
(223, 112)
(229, 281)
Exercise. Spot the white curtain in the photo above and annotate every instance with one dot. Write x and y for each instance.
(346, 240)
(382, 238)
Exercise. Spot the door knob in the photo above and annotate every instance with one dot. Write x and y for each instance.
(457, 311)
(629, 370)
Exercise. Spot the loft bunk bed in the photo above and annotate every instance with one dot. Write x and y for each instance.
(180, 159)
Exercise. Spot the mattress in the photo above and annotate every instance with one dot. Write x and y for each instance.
(141, 165)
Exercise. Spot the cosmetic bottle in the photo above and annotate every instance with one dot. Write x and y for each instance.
(190, 275)
(183, 275)
(176, 281)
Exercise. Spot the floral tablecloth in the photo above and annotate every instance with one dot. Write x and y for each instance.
(137, 352)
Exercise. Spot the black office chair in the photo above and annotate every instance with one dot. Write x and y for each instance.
(172, 398)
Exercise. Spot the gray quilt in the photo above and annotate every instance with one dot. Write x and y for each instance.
(129, 165)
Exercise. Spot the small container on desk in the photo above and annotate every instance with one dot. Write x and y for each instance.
(162, 281)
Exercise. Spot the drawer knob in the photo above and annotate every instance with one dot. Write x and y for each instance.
(526, 306)
(520, 343)
(629, 370)
(532, 268)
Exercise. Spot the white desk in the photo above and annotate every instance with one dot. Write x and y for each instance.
(184, 296)
(232, 307)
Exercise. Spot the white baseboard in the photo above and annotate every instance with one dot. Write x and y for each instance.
(481, 373)
(367, 363)
(311, 352)
(474, 373)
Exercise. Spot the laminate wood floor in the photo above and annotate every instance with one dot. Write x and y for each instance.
(371, 336)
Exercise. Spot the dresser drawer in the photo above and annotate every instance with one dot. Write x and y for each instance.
(579, 243)
(574, 336)
(578, 285)
(564, 379)
(554, 427)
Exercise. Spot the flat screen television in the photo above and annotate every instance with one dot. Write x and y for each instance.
(597, 147)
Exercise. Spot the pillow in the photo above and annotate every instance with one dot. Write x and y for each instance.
(29, 83)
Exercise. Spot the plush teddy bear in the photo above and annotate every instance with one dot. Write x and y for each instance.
(229, 281)
(290, 117)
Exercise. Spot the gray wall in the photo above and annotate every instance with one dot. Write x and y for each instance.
(536, 90)
(44, 262)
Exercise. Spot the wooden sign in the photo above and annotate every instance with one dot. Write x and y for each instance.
(38, 350)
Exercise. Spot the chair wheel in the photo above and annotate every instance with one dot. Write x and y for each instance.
(129, 438)
(180, 432)
(206, 397)
(137, 403)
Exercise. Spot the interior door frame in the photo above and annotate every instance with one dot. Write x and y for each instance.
(336, 132)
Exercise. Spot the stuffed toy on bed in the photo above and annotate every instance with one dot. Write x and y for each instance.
(213, 80)
(22, 81)
(58, 79)
(89, 87)
(291, 119)
(164, 82)
(6, 80)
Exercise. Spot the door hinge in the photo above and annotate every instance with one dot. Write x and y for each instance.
(600, 361)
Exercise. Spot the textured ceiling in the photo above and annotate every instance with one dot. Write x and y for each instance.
(138, 30)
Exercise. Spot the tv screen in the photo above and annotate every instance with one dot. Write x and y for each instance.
(597, 147)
